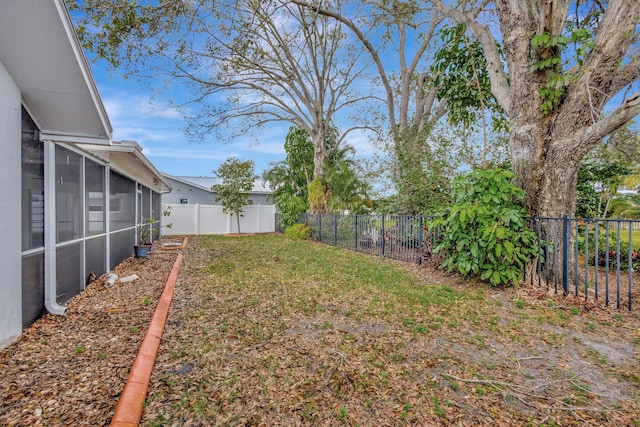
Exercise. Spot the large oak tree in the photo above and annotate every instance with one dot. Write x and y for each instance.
(570, 79)
(247, 63)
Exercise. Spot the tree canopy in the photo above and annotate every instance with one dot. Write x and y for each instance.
(564, 73)
(246, 63)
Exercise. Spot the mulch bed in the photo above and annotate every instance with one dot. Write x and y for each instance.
(71, 369)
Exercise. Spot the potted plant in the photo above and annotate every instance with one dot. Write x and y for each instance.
(144, 237)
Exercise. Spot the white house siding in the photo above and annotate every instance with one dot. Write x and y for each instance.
(63, 214)
(10, 196)
(203, 196)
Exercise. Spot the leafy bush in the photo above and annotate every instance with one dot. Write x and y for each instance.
(298, 232)
(485, 232)
(289, 208)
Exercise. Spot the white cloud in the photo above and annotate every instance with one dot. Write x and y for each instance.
(360, 140)
(124, 107)
(177, 153)
(155, 109)
(148, 134)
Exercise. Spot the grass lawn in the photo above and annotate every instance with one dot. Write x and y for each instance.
(613, 233)
(635, 238)
(267, 331)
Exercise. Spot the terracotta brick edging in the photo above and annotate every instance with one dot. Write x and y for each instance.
(129, 409)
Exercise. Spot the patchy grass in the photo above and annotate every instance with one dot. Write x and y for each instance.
(279, 332)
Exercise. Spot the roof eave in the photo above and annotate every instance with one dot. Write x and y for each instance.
(83, 63)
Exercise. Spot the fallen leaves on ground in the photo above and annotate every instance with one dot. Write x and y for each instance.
(265, 331)
(71, 369)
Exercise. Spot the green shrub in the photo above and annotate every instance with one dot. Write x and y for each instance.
(611, 252)
(290, 208)
(485, 232)
(298, 232)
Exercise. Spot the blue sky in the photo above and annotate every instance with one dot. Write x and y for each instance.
(143, 113)
(140, 114)
(147, 118)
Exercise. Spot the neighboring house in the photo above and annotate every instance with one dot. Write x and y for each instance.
(70, 196)
(191, 190)
(193, 209)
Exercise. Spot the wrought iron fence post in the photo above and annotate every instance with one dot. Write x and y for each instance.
(420, 225)
(320, 228)
(335, 229)
(383, 239)
(355, 237)
(565, 254)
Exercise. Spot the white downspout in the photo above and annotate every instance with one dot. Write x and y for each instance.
(107, 215)
(50, 281)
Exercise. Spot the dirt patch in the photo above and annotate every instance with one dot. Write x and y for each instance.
(316, 327)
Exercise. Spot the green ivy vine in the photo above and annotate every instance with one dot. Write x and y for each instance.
(551, 49)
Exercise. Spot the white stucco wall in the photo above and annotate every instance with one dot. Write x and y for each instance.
(10, 226)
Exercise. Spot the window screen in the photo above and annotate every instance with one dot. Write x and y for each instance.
(156, 207)
(94, 198)
(68, 198)
(121, 246)
(146, 203)
(95, 252)
(69, 272)
(32, 185)
(122, 201)
(32, 288)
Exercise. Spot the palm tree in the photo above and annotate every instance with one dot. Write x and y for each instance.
(626, 207)
(290, 178)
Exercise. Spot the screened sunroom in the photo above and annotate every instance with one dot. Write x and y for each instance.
(90, 211)
(72, 199)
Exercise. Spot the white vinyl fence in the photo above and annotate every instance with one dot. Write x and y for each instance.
(209, 219)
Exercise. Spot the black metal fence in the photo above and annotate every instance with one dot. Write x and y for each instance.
(594, 258)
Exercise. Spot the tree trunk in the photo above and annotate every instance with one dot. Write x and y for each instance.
(318, 203)
(548, 146)
(547, 172)
(410, 176)
(320, 156)
(238, 221)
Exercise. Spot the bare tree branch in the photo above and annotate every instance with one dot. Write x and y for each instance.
(588, 136)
